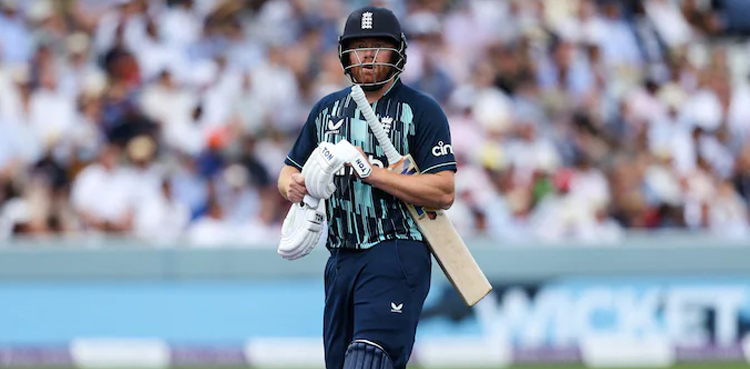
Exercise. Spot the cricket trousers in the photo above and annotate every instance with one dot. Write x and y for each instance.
(376, 295)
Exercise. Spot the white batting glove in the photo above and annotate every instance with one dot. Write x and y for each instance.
(351, 155)
(319, 169)
(305, 227)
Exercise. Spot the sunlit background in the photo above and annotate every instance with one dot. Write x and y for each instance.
(603, 183)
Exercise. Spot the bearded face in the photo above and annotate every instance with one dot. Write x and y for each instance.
(371, 59)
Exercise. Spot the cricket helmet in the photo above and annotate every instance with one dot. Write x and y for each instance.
(373, 22)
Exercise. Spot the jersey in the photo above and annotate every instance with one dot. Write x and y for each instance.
(360, 215)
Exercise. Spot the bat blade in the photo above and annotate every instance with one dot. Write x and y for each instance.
(446, 245)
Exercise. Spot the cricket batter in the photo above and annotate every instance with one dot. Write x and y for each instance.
(378, 273)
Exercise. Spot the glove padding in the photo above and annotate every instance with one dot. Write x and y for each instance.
(319, 169)
(325, 161)
(304, 228)
(351, 155)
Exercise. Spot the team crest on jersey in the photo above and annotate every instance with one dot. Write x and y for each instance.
(387, 123)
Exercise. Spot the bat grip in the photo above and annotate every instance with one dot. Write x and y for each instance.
(390, 152)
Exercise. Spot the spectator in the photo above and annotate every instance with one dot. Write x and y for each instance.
(104, 194)
(571, 121)
(160, 217)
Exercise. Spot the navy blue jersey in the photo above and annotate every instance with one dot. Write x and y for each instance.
(360, 215)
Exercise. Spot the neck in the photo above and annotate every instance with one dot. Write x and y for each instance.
(373, 96)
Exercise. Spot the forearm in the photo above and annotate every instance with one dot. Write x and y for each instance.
(285, 176)
(431, 190)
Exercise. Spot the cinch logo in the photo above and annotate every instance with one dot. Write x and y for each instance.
(334, 128)
(367, 20)
(442, 149)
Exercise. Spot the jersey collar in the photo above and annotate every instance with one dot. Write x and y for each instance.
(394, 87)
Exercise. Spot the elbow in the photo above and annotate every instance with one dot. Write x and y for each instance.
(446, 200)
(446, 190)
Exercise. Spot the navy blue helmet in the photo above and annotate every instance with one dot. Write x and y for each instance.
(373, 22)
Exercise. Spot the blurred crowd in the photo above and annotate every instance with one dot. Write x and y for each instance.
(572, 120)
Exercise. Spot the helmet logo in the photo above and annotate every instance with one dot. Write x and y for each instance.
(366, 20)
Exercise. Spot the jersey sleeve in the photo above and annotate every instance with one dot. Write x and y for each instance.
(431, 149)
(306, 142)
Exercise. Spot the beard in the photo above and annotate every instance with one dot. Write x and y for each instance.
(377, 73)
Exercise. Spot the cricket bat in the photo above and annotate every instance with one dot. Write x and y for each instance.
(446, 245)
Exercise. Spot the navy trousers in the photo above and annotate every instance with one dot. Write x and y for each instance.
(376, 295)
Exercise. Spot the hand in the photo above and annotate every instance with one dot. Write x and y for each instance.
(359, 148)
(297, 190)
(397, 165)
(319, 170)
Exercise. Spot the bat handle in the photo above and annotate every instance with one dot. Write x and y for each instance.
(390, 152)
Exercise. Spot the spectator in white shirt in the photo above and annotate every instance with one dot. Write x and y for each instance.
(619, 45)
(128, 17)
(77, 68)
(669, 21)
(237, 195)
(103, 194)
(141, 152)
(153, 55)
(160, 217)
(566, 69)
(211, 230)
(180, 24)
(16, 45)
(728, 215)
(51, 112)
(276, 88)
(173, 109)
